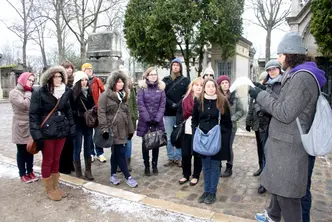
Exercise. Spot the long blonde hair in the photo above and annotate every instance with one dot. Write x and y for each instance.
(221, 100)
(191, 85)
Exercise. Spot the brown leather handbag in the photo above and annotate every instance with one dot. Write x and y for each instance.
(32, 145)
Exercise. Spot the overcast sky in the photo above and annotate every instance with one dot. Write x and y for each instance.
(252, 32)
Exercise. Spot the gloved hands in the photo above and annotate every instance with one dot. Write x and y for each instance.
(253, 92)
(40, 144)
(130, 135)
(106, 135)
(248, 128)
(257, 84)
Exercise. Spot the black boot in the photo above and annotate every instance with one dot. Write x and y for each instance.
(154, 168)
(258, 172)
(147, 169)
(228, 172)
(261, 189)
(210, 199)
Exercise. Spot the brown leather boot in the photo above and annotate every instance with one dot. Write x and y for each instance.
(56, 177)
(51, 193)
(88, 174)
(78, 169)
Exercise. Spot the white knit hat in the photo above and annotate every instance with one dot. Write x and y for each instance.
(208, 70)
(79, 75)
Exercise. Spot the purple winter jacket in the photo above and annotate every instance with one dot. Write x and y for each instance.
(151, 101)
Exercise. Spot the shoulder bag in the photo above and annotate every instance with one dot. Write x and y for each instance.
(32, 145)
(90, 116)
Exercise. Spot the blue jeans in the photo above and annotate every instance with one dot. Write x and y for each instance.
(87, 133)
(172, 152)
(24, 160)
(118, 158)
(211, 172)
(99, 150)
(306, 200)
(128, 149)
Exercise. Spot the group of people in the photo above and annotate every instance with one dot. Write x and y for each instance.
(160, 104)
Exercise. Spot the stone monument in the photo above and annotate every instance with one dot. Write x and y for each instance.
(104, 53)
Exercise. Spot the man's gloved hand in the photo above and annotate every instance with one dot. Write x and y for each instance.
(174, 106)
(253, 92)
(106, 135)
(248, 128)
(261, 86)
(130, 136)
(40, 144)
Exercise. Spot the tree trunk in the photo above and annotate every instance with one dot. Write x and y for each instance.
(42, 49)
(200, 60)
(268, 45)
(187, 59)
(24, 48)
(83, 52)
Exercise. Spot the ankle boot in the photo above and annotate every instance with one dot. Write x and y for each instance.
(56, 177)
(49, 189)
(147, 169)
(129, 164)
(228, 172)
(88, 173)
(78, 168)
(154, 168)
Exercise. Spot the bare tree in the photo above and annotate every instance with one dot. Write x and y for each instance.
(26, 27)
(39, 38)
(82, 16)
(10, 54)
(270, 14)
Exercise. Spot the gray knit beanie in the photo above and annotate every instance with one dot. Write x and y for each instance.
(272, 63)
(291, 43)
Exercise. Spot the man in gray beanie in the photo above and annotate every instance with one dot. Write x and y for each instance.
(286, 173)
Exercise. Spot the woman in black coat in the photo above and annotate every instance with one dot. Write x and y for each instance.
(51, 137)
(206, 116)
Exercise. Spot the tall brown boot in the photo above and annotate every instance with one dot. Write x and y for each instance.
(51, 193)
(88, 174)
(129, 164)
(78, 169)
(56, 177)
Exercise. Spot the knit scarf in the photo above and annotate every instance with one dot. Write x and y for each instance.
(121, 95)
(175, 75)
(59, 91)
(272, 81)
(214, 97)
(187, 106)
(85, 91)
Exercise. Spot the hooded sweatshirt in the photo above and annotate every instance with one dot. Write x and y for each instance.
(312, 67)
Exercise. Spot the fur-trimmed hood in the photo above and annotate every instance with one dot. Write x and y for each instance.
(143, 84)
(49, 73)
(112, 79)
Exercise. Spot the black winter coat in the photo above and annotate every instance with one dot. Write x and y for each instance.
(78, 108)
(60, 124)
(208, 119)
(175, 94)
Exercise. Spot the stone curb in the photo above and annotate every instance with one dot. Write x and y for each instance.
(138, 198)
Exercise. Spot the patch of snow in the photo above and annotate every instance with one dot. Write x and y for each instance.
(8, 171)
(107, 204)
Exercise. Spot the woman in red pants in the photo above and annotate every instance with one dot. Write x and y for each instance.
(51, 137)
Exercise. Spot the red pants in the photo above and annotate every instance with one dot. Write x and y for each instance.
(51, 156)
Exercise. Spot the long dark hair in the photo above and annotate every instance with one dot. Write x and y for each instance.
(50, 84)
(77, 89)
(293, 60)
(221, 100)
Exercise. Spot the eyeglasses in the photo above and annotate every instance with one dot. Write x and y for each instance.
(211, 75)
(271, 69)
(152, 74)
(57, 77)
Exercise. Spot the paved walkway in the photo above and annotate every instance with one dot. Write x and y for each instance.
(236, 195)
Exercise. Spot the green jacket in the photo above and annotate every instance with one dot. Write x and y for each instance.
(132, 103)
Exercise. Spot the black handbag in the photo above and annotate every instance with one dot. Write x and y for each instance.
(154, 139)
(177, 134)
(90, 116)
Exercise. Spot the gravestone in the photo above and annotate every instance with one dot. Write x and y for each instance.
(104, 53)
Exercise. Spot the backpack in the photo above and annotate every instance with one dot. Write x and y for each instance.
(318, 141)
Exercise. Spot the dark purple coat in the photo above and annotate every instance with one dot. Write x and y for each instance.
(151, 100)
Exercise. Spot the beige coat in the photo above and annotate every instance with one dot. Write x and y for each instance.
(20, 101)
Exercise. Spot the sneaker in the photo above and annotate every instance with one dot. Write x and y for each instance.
(263, 217)
(115, 180)
(202, 197)
(92, 158)
(210, 199)
(26, 179)
(131, 182)
(101, 158)
(33, 177)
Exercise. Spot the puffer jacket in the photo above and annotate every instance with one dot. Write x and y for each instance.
(151, 105)
(61, 123)
(109, 104)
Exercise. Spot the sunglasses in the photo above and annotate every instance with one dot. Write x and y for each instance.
(209, 75)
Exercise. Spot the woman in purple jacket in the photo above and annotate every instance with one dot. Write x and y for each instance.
(151, 101)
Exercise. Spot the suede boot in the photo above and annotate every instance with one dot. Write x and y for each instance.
(49, 189)
(78, 169)
(228, 172)
(88, 173)
(129, 164)
(55, 177)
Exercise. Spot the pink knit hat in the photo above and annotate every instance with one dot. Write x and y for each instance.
(23, 78)
(222, 78)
